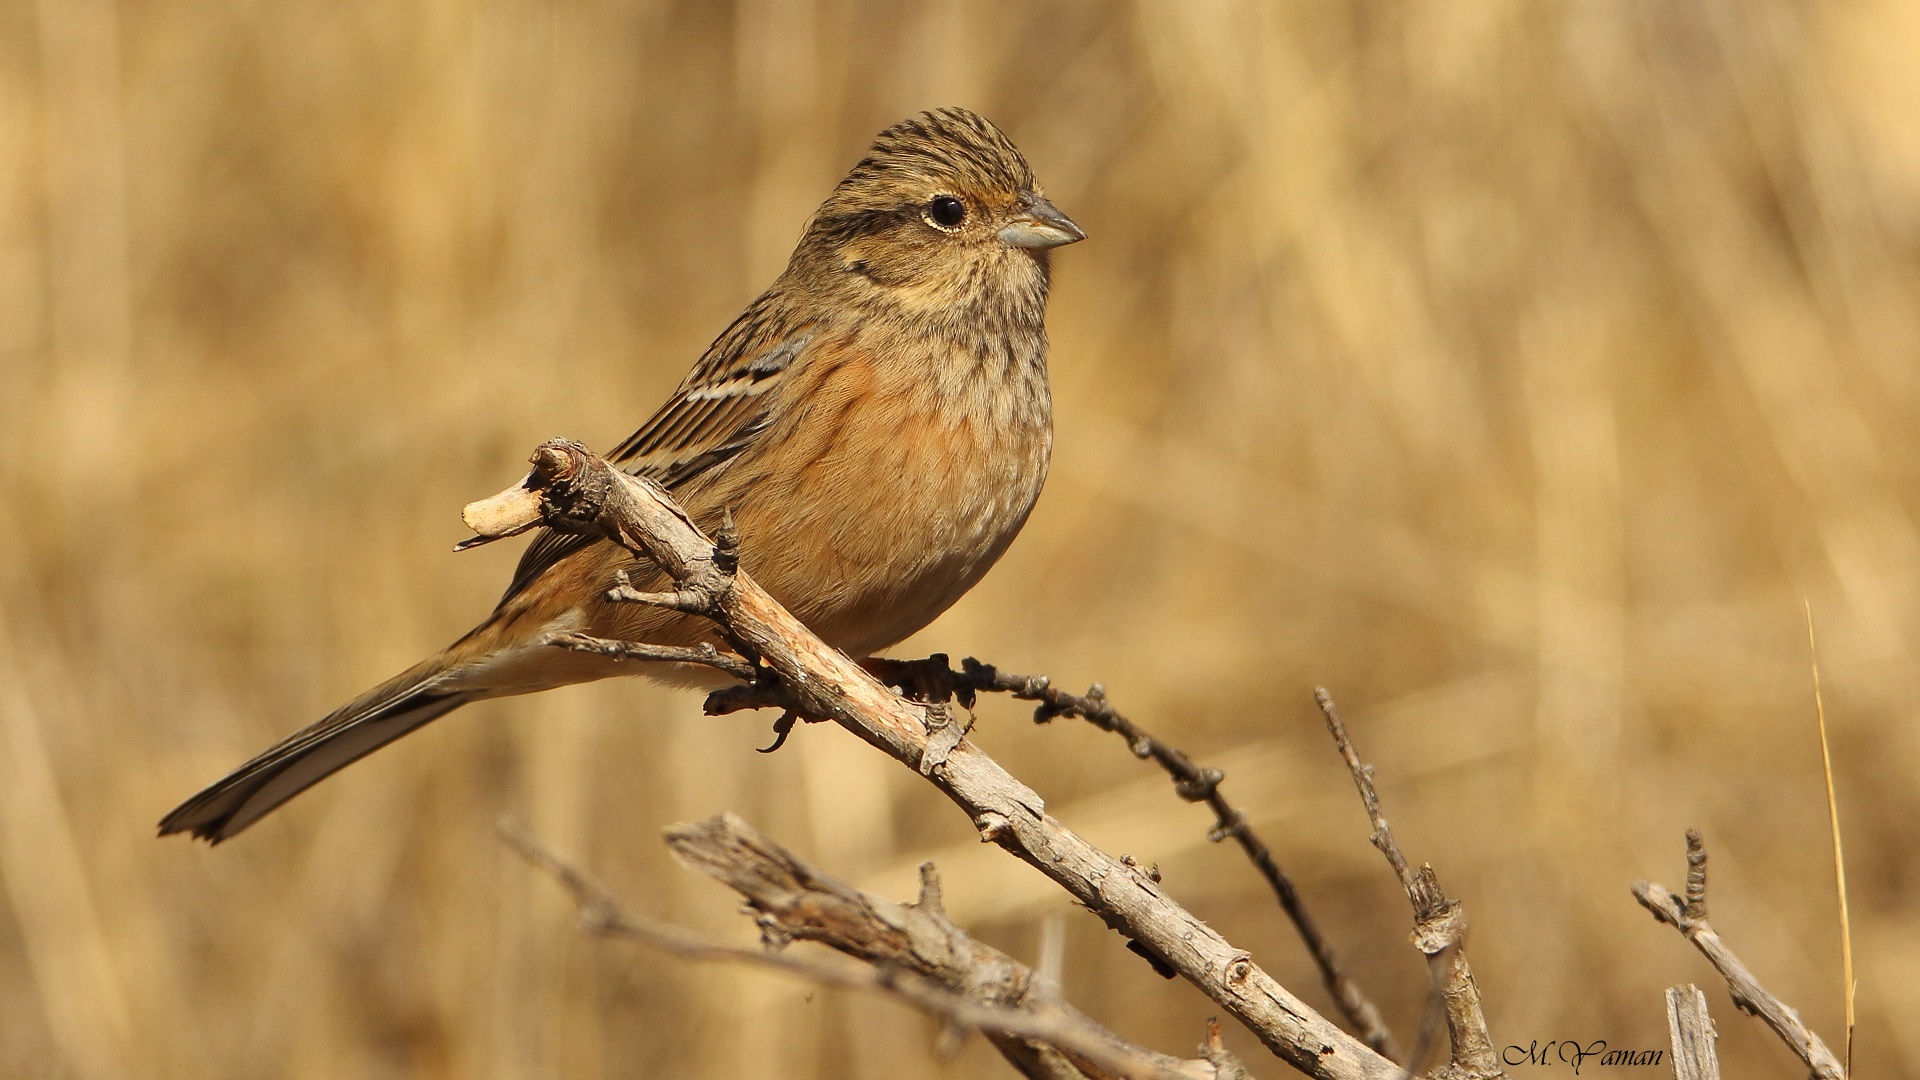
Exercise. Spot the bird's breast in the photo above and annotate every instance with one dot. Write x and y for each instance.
(905, 471)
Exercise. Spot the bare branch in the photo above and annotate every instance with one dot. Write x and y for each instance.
(1693, 1035)
(1439, 924)
(796, 902)
(1194, 784)
(579, 492)
(1038, 1026)
(1748, 995)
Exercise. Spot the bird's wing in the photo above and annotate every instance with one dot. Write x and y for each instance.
(716, 412)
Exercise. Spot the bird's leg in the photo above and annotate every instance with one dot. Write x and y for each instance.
(928, 681)
(765, 693)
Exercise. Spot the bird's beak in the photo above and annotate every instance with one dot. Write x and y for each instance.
(1040, 224)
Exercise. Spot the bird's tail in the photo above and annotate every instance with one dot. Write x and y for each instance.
(297, 762)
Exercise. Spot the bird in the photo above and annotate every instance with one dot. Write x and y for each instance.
(877, 425)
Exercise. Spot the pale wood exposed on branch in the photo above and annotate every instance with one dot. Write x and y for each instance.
(579, 492)
(1049, 1041)
(1692, 1032)
(1689, 917)
(1439, 925)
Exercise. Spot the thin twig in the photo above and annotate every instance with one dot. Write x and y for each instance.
(602, 914)
(1194, 783)
(703, 654)
(1439, 923)
(1382, 837)
(1748, 995)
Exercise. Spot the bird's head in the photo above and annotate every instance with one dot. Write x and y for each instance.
(942, 212)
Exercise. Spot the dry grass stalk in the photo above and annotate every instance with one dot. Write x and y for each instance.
(1848, 986)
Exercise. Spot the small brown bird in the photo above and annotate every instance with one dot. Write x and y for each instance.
(877, 422)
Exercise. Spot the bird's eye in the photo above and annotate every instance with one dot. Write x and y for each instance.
(946, 211)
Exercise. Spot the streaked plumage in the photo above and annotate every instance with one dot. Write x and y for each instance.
(877, 422)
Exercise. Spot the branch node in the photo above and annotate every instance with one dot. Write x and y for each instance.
(994, 827)
(773, 933)
(943, 735)
(1047, 710)
(931, 900)
(726, 545)
(1231, 826)
(1239, 967)
(1145, 873)
(1440, 929)
(1196, 788)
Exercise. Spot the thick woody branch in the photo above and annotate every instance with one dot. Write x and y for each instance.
(1191, 782)
(1689, 917)
(792, 901)
(579, 492)
(1054, 1037)
(1439, 924)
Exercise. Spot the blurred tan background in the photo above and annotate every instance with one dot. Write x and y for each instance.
(1513, 369)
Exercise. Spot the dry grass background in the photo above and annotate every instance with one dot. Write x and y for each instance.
(1514, 369)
